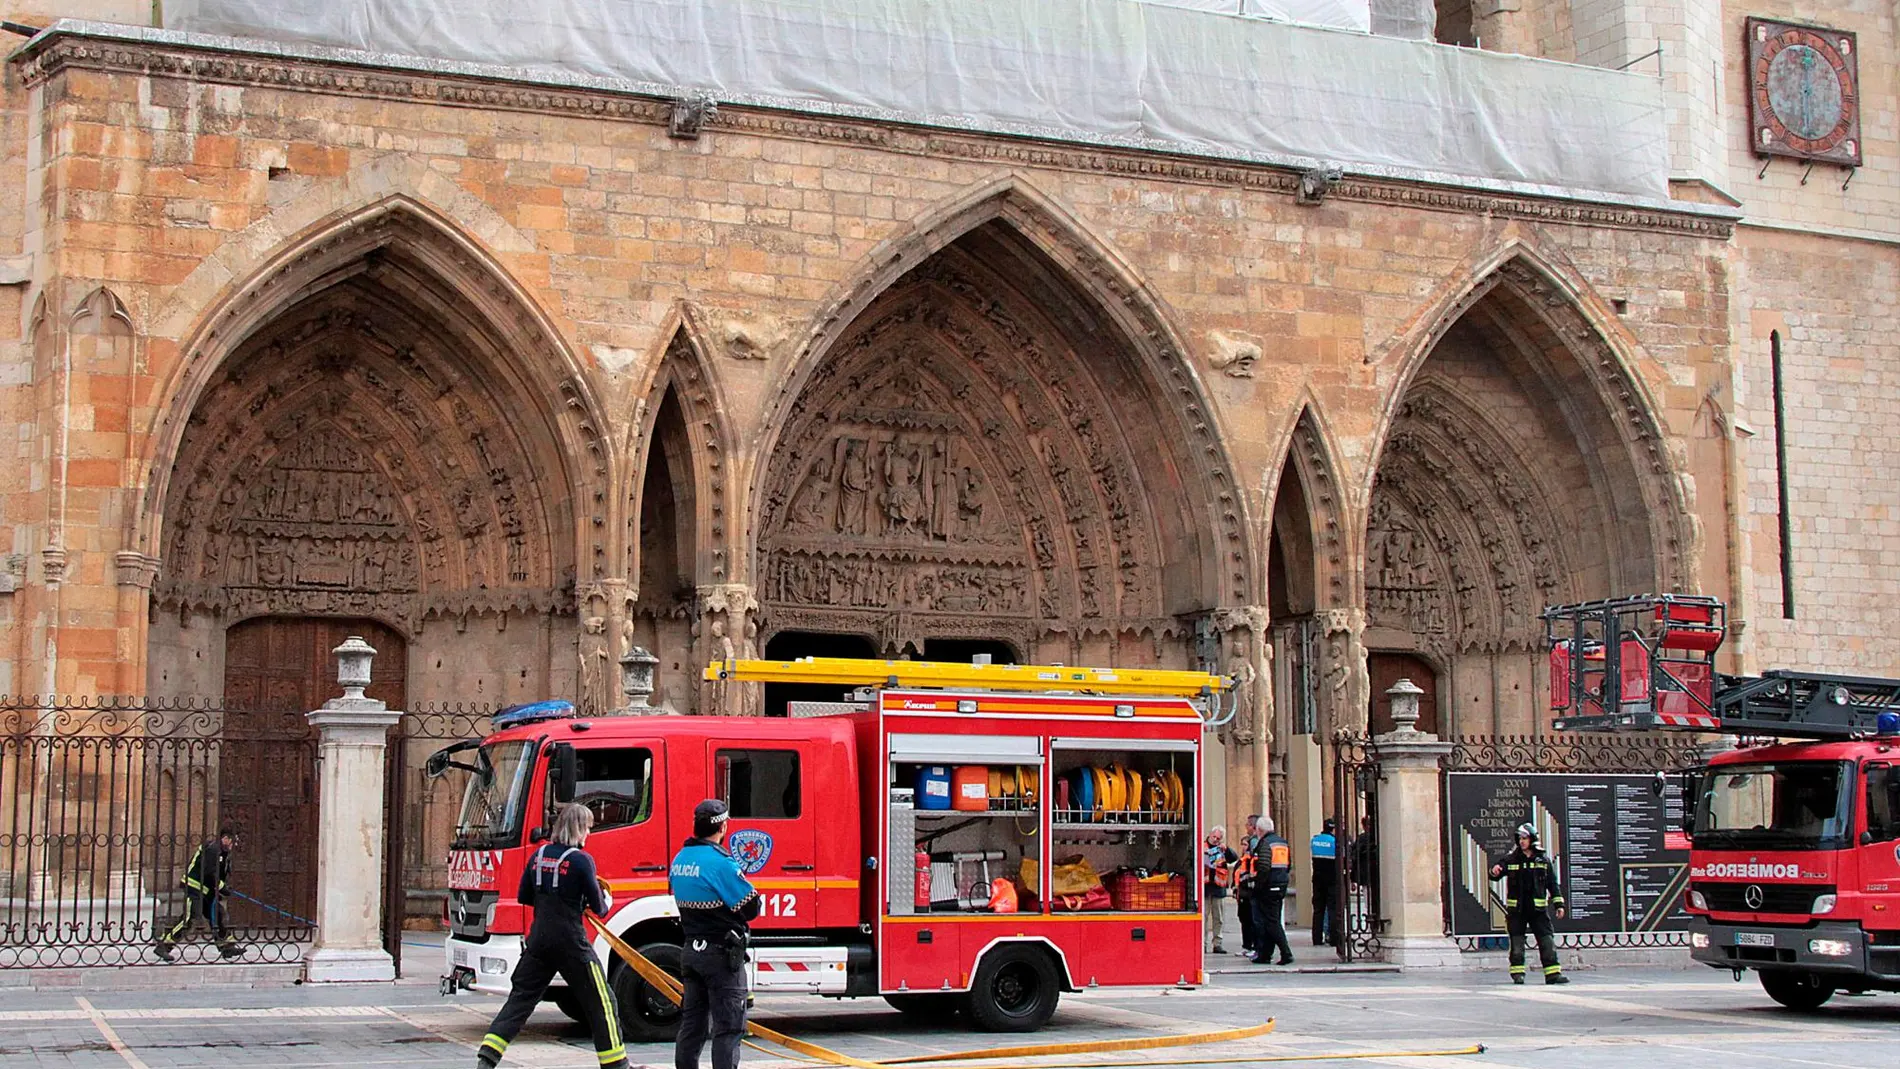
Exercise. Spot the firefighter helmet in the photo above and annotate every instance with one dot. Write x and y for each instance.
(1527, 830)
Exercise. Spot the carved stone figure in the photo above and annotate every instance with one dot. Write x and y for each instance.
(854, 487)
(902, 500)
(812, 506)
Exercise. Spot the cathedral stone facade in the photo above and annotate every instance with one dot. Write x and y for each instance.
(515, 378)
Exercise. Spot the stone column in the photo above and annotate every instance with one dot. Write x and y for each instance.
(1411, 861)
(352, 739)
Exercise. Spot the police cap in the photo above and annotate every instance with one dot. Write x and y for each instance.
(708, 817)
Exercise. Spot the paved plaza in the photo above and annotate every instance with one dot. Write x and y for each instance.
(1606, 1018)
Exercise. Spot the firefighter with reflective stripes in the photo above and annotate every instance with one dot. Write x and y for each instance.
(207, 882)
(1531, 890)
(561, 884)
(716, 904)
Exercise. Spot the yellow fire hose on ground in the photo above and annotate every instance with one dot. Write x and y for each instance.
(666, 984)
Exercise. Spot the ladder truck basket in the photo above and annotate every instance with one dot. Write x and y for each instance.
(1635, 663)
(1648, 662)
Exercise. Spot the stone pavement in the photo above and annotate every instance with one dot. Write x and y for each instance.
(1606, 1018)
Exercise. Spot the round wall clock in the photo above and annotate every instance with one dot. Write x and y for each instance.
(1804, 92)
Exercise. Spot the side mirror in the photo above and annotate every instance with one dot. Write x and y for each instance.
(539, 834)
(1866, 838)
(438, 764)
(1690, 782)
(564, 768)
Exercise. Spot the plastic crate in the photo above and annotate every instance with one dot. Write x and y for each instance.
(1131, 894)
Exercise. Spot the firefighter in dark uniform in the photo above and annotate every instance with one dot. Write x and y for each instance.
(1531, 890)
(207, 882)
(560, 883)
(715, 902)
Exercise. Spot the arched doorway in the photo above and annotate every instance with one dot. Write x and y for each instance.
(985, 458)
(275, 669)
(1510, 479)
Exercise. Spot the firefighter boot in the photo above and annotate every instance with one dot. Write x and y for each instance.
(1517, 978)
(163, 949)
(230, 950)
(1556, 978)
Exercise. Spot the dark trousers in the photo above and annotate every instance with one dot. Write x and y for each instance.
(1245, 902)
(1269, 934)
(1325, 913)
(199, 905)
(1538, 923)
(714, 1006)
(584, 977)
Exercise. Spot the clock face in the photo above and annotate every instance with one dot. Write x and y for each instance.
(1804, 92)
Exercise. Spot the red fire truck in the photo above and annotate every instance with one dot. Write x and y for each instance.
(957, 838)
(1794, 861)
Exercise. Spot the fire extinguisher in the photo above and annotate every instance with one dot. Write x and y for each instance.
(922, 900)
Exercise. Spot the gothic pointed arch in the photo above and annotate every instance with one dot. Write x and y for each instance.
(416, 256)
(681, 425)
(993, 432)
(1524, 294)
(1519, 466)
(378, 424)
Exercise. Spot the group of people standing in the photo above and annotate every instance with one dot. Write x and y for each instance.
(1258, 874)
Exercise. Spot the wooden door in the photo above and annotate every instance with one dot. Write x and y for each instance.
(1387, 669)
(275, 670)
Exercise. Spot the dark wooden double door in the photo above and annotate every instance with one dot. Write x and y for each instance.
(275, 670)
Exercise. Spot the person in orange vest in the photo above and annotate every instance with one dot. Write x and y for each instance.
(1217, 865)
(1273, 857)
(1244, 883)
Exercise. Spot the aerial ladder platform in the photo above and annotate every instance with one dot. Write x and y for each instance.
(1647, 663)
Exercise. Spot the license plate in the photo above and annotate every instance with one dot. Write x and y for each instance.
(461, 957)
(1754, 939)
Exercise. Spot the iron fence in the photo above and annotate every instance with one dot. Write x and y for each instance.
(422, 815)
(103, 802)
(1576, 753)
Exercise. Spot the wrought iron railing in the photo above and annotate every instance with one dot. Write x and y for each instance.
(103, 802)
(1356, 777)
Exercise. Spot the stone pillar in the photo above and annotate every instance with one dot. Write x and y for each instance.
(1411, 861)
(352, 738)
(727, 629)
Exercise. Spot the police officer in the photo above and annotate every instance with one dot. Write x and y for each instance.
(1530, 891)
(560, 883)
(1325, 850)
(207, 882)
(1273, 873)
(715, 901)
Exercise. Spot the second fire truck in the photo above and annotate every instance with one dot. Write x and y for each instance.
(1794, 861)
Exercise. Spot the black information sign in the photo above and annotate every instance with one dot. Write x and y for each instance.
(1622, 865)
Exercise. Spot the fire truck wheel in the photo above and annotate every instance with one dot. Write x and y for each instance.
(569, 1002)
(1796, 990)
(927, 1008)
(645, 1013)
(1014, 990)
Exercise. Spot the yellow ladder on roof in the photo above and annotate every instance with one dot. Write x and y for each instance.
(1152, 682)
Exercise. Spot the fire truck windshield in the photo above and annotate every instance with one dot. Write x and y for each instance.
(497, 797)
(1787, 805)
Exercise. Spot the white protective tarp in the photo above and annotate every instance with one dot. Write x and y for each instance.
(1157, 75)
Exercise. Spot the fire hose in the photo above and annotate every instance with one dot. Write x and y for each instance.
(668, 985)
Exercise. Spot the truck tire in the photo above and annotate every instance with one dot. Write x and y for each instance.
(568, 1001)
(1014, 990)
(645, 1013)
(1796, 990)
(930, 1007)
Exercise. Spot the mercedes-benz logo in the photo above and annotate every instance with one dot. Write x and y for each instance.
(1752, 896)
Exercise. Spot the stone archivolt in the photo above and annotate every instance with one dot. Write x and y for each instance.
(955, 469)
(343, 466)
(1461, 546)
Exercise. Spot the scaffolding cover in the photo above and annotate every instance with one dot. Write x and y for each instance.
(1181, 75)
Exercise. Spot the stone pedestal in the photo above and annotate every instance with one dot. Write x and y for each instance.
(351, 747)
(1411, 859)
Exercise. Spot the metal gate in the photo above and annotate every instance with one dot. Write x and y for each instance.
(104, 801)
(421, 817)
(1355, 781)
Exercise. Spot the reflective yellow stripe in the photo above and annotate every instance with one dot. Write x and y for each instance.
(608, 1057)
(613, 1013)
(495, 1043)
(1552, 970)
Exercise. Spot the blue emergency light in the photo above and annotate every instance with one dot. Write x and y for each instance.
(1887, 724)
(533, 713)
